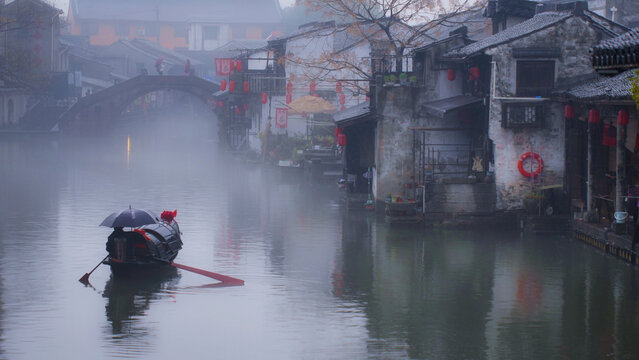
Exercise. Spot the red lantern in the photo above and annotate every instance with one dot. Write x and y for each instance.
(238, 110)
(232, 85)
(315, 95)
(622, 117)
(342, 99)
(289, 98)
(289, 87)
(338, 87)
(232, 65)
(569, 111)
(338, 130)
(593, 116)
(238, 65)
(264, 98)
(312, 86)
(341, 139)
(223, 85)
(450, 74)
(245, 86)
(474, 73)
(368, 98)
(303, 114)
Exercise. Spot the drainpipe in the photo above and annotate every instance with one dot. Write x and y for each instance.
(589, 180)
(621, 170)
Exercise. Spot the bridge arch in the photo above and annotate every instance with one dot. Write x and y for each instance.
(95, 111)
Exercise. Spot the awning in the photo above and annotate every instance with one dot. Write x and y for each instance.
(353, 115)
(440, 108)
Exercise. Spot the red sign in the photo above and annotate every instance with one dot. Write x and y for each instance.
(281, 118)
(223, 67)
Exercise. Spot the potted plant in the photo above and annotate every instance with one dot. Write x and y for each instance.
(403, 79)
(412, 80)
(387, 80)
(392, 78)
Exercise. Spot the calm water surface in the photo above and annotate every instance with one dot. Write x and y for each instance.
(320, 283)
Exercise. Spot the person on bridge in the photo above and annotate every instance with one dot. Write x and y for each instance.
(159, 65)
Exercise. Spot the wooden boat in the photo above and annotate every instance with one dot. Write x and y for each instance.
(144, 247)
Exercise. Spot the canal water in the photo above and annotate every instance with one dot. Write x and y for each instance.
(321, 283)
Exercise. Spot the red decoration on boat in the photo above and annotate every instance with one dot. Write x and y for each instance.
(238, 65)
(474, 73)
(246, 86)
(168, 216)
(223, 85)
(342, 99)
(593, 116)
(623, 117)
(312, 86)
(338, 87)
(569, 111)
(450, 74)
(341, 139)
(289, 87)
(232, 85)
(289, 98)
(264, 98)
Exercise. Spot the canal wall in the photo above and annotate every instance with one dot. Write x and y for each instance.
(618, 245)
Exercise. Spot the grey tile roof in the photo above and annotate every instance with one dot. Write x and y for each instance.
(439, 108)
(631, 38)
(343, 117)
(616, 87)
(223, 11)
(539, 22)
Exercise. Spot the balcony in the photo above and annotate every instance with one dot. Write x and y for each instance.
(522, 115)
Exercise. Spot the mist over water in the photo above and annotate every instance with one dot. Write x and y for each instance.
(320, 282)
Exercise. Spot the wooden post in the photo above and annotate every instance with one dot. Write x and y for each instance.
(621, 168)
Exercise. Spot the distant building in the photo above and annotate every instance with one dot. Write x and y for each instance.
(187, 24)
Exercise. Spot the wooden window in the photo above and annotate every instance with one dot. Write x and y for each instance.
(535, 78)
(519, 115)
(210, 32)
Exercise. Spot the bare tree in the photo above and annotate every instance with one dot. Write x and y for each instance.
(390, 28)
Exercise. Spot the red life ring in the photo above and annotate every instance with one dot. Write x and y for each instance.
(540, 164)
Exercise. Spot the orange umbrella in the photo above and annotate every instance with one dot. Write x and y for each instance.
(310, 105)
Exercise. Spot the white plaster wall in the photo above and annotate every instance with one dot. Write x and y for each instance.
(549, 141)
(195, 36)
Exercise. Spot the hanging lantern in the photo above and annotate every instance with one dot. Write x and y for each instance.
(245, 107)
(474, 73)
(312, 86)
(238, 65)
(622, 117)
(238, 110)
(368, 98)
(223, 85)
(245, 86)
(264, 98)
(289, 87)
(232, 85)
(593, 116)
(232, 64)
(450, 74)
(569, 111)
(341, 139)
(289, 98)
(338, 130)
(342, 99)
(338, 87)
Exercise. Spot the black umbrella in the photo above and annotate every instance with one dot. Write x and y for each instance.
(130, 218)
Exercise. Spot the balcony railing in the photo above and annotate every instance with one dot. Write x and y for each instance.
(520, 115)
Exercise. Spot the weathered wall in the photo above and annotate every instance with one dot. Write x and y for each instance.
(473, 198)
(548, 141)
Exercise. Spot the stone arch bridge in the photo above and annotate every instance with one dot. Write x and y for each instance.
(94, 112)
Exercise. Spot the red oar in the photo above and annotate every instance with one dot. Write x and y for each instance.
(85, 278)
(219, 277)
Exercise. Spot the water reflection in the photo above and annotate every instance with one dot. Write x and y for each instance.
(128, 298)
